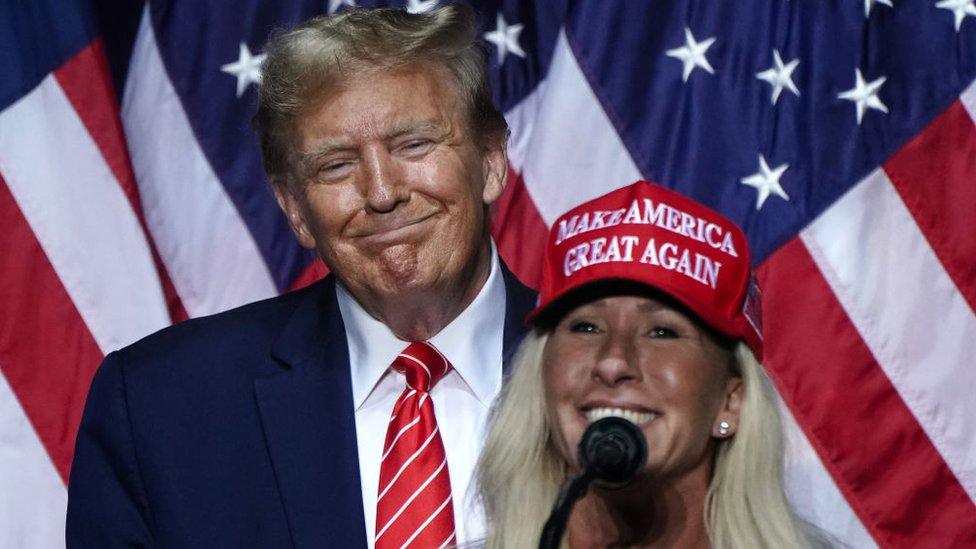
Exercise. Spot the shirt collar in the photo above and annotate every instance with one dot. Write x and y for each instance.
(472, 342)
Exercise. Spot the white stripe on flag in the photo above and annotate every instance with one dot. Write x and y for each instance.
(209, 252)
(567, 152)
(968, 100)
(33, 499)
(812, 491)
(906, 309)
(81, 217)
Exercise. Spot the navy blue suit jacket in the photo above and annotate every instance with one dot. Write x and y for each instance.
(234, 430)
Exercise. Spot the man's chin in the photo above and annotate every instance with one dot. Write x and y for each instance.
(400, 266)
(403, 270)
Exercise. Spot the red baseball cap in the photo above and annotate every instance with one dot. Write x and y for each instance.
(656, 237)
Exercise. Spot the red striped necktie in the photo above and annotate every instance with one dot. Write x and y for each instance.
(414, 506)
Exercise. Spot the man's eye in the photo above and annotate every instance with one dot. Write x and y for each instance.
(416, 145)
(661, 331)
(333, 168)
(584, 327)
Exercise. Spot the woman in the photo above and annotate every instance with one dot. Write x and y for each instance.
(647, 311)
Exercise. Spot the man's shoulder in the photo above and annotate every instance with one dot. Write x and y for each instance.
(518, 292)
(247, 324)
(240, 338)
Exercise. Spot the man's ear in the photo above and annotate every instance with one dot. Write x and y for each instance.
(292, 208)
(727, 421)
(495, 168)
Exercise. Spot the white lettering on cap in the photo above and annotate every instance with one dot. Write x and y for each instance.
(620, 248)
(645, 212)
(616, 249)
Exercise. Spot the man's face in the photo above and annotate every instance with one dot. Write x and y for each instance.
(393, 184)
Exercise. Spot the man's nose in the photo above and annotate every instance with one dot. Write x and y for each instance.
(617, 361)
(383, 188)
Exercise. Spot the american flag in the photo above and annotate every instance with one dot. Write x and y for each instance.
(838, 133)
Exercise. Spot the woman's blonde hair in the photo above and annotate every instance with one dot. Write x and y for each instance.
(520, 471)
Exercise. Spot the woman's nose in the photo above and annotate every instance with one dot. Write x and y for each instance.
(616, 361)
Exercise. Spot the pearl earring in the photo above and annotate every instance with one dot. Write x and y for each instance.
(723, 428)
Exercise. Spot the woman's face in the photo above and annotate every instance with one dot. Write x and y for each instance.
(643, 359)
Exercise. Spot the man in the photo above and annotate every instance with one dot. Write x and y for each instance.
(349, 413)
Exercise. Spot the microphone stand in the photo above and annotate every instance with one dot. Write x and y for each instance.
(612, 449)
(552, 532)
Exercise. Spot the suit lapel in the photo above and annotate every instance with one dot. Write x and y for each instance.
(308, 416)
(519, 301)
(307, 413)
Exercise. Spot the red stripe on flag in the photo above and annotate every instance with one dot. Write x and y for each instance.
(47, 353)
(315, 271)
(86, 82)
(935, 174)
(519, 231)
(881, 459)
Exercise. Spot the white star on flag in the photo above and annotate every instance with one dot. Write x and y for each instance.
(420, 6)
(959, 8)
(692, 54)
(766, 181)
(780, 76)
(868, 4)
(505, 38)
(865, 95)
(336, 4)
(247, 69)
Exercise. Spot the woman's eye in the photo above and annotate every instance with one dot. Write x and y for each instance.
(661, 331)
(583, 327)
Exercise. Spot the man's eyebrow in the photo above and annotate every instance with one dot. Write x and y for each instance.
(324, 148)
(413, 125)
(400, 128)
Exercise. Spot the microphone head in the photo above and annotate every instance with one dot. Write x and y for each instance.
(613, 449)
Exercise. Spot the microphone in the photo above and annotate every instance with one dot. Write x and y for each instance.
(612, 450)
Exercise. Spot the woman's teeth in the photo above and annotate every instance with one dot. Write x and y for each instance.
(636, 418)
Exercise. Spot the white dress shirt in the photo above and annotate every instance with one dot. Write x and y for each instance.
(462, 399)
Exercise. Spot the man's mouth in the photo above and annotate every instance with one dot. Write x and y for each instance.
(393, 229)
(633, 416)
